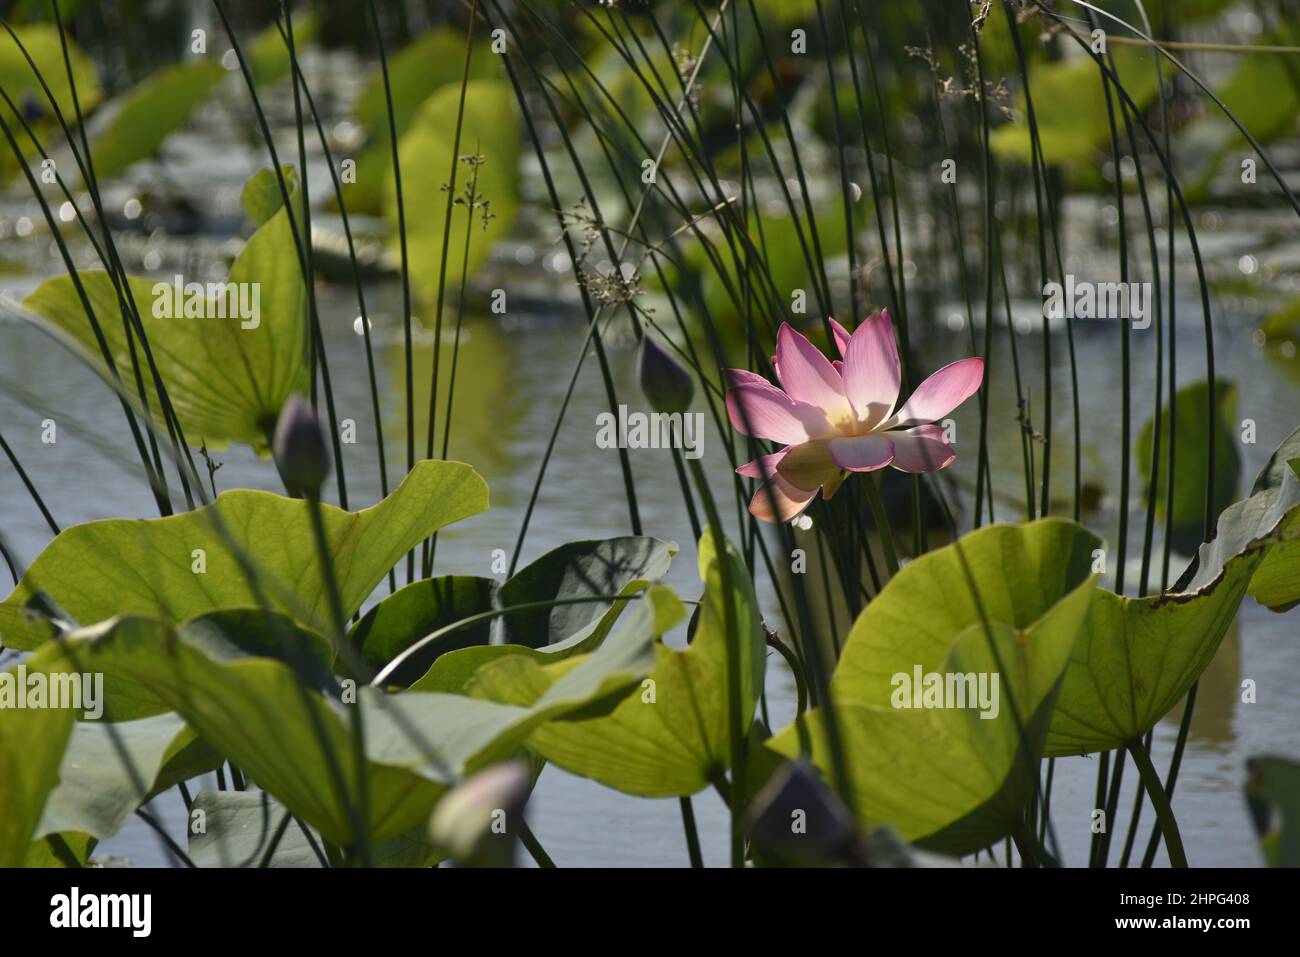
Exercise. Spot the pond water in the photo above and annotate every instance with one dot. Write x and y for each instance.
(513, 372)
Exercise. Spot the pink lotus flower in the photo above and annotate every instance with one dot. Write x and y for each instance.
(839, 417)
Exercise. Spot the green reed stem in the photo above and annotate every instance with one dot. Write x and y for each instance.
(361, 814)
(436, 361)
(276, 836)
(872, 486)
(301, 231)
(163, 836)
(407, 350)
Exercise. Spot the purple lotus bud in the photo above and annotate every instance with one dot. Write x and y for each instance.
(797, 817)
(667, 385)
(299, 448)
(32, 108)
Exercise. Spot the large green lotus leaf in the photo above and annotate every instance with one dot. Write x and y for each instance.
(237, 830)
(1261, 93)
(950, 779)
(1282, 326)
(579, 570)
(1276, 583)
(1070, 105)
(416, 72)
(227, 378)
(42, 42)
(222, 635)
(256, 712)
(239, 826)
(525, 675)
(261, 196)
(252, 711)
(268, 53)
(469, 728)
(417, 610)
(491, 130)
(787, 12)
(70, 850)
(616, 566)
(1138, 657)
(777, 238)
(1020, 573)
(672, 737)
(151, 111)
(32, 742)
(1273, 795)
(17, 79)
(947, 777)
(110, 769)
(144, 566)
(1192, 438)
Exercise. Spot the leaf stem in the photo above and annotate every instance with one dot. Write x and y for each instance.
(1159, 801)
(692, 834)
(534, 846)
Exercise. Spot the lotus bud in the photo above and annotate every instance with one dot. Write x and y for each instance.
(32, 108)
(299, 448)
(799, 819)
(477, 823)
(667, 385)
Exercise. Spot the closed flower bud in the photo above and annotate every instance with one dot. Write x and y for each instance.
(478, 822)
(667, 385)
(299, 448)
(798, 818)
(32, 108)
